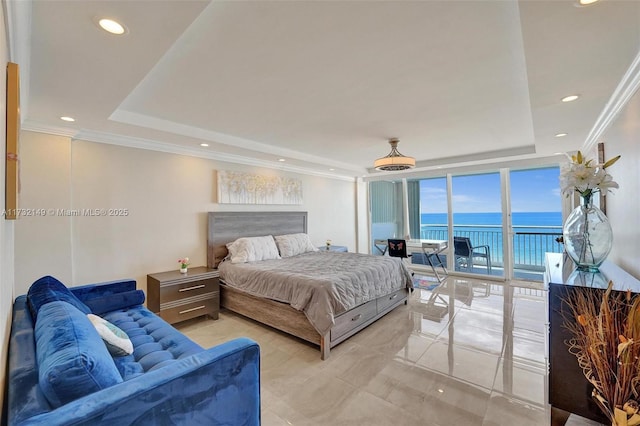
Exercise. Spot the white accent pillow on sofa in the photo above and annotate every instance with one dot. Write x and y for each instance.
(294, 244)
(252, 249)
(117, 341)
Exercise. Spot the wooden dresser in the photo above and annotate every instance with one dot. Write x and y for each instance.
(569, 390)
(177, 297)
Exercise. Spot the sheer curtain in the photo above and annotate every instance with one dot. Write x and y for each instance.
(386, 205)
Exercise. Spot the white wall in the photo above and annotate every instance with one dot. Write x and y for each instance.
(6, 227)
(167, 197)
(623, 207)
(44, 240)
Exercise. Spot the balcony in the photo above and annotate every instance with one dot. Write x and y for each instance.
(530, 243)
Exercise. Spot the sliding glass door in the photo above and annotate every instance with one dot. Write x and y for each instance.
(433, 208)
(536, 219)
(477, 224)
(429, 205)
(495, 223)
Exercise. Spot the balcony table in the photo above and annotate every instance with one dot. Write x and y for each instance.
(381, 246)
(432, 248)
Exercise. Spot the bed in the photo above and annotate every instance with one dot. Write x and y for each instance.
(322, 297)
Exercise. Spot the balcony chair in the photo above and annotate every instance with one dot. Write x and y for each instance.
(465, 253)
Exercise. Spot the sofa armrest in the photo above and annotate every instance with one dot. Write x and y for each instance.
(218, 386)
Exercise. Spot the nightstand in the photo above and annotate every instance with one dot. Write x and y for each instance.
(334, 248)
(177, 297)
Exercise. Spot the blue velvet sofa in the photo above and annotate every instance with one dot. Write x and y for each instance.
(60, 371)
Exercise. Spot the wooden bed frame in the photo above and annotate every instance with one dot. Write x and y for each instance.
(225, 227)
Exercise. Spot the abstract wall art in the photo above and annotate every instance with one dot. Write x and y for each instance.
(247, 188)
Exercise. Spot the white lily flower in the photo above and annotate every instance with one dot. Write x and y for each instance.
(586, 176)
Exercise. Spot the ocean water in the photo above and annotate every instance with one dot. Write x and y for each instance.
(526, 219)
(535, 233)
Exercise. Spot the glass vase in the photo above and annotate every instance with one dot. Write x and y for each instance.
(587, 236)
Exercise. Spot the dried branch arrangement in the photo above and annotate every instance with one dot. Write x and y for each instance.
(605, 329)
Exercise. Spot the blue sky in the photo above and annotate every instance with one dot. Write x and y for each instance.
(536, 190)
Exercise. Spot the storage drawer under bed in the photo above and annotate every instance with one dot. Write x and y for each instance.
(352, 319)
(385, 302)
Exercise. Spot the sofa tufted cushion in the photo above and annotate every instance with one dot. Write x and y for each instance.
(294, 244)
(49, 289)
(72, 359)
(155, 342)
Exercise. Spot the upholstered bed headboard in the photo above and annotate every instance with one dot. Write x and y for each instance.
(225, 227)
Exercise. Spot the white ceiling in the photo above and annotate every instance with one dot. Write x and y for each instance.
(324, 84)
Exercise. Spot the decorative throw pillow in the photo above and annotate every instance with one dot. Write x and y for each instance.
(294, 244)
(252, 249)
(117, 341)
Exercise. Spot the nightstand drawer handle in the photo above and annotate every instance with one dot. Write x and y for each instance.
(195, 287)
(357, 317)
(191, 310)
(394, 296)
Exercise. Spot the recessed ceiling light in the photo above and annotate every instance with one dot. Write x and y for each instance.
(204, 144)
(65, 118)
(281, 160)
(111, 26)
(331, 170)
(586, 2)
(561, 135)
(570, 98)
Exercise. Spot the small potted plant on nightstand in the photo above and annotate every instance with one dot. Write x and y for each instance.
(184, 264)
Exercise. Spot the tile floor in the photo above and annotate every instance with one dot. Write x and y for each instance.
(468, 352)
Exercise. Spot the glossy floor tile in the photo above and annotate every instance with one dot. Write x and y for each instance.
(467, 352)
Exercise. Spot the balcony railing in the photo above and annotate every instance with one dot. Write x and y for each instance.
(530, 243)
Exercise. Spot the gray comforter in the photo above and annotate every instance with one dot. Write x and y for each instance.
(322, 284)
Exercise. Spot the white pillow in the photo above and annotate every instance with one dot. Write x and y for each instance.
(252, 249)
(117, 341)
(294, 244)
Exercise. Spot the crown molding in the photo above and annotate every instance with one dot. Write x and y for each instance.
(159, 124)
(151, 145)
(32, 126)
(624, 91)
